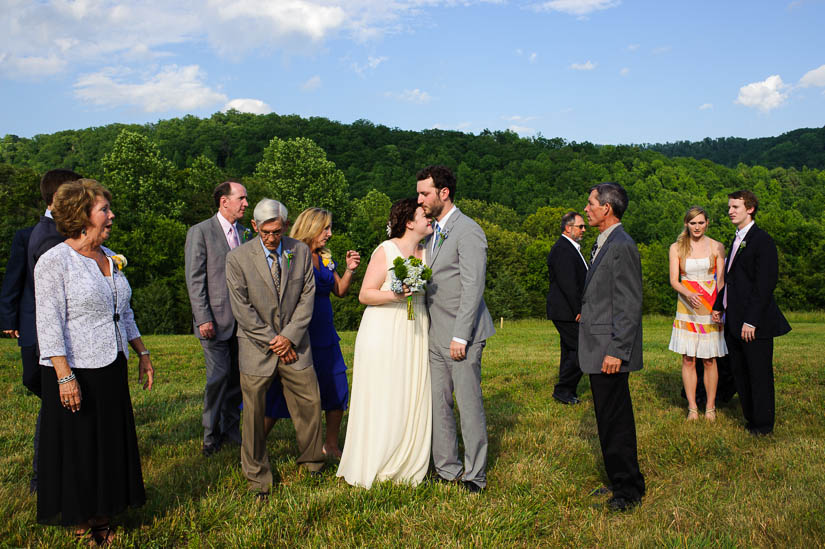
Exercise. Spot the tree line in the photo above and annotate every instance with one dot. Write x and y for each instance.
(516, 188)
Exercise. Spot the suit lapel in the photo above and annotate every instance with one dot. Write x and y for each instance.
(742, 245)
(262, 266)
(286, 263)
(600, 254)
(218, 234)
(447, 228)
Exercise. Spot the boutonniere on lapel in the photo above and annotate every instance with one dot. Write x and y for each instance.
(442, 236)
(288, 254)
(245, 235)
(328, 263)
(120, 261)
(743, 244)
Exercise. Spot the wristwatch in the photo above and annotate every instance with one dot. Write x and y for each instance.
(144, 353)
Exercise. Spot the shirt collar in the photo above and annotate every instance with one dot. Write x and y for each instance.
(49, 213)
(573, 242)
(443, 222)
(602, 238)
(740, 233)
(225, 224)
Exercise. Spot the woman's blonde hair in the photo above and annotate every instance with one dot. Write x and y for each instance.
(72, 205)
(309, 224)
(683, 241)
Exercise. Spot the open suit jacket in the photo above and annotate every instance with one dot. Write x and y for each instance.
(17, 295)
(262, 313)
(567, 272)
(455, 295)
(611, 322)
(205, 257)
(749, 283)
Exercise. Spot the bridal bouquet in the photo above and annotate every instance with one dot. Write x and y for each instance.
(412, 273)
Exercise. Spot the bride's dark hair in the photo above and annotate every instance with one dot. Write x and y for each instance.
(401, 212)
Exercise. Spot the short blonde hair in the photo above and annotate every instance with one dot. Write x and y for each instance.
(73, 203)
(309, 224)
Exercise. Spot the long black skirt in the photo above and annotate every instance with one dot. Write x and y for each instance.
(89, 464)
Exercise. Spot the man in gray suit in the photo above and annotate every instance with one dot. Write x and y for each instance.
(610, 340)
(272, 291)
(207, 244)
(459, 327)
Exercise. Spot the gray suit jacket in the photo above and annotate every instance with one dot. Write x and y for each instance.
(205, 256)
(261, 313)
(455, 295)
(611, 321)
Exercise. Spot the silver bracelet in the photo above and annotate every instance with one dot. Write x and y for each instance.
(66, 379)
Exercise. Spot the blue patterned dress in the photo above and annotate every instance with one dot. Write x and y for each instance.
(328, 361)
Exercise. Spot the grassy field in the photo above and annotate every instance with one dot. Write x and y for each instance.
(709, 485)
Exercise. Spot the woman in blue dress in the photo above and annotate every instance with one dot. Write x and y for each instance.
(314, 228)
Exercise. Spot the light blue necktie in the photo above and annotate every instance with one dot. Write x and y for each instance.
(437, 235)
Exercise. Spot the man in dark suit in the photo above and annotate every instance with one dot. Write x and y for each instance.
(752, 318)
(272, 291)
(567, 270)
(27, 247)
(610, 340)
(207, 244)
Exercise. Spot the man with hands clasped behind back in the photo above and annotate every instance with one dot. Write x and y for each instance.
(272, 292)
(752, 318)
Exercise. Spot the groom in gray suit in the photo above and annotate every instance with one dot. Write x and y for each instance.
(610, 340)
(207, 244)
(459, 328)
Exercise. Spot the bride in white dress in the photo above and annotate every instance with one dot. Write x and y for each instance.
(390, 416)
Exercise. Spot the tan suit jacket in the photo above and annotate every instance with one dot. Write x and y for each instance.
(261, 313)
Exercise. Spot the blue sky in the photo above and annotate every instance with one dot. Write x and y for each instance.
(605, 71)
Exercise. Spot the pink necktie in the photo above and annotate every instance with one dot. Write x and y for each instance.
(234, 238)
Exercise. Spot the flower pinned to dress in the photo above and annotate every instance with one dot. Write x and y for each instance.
(328, 263)
(245, 235)
(289, 254)
(120, 261)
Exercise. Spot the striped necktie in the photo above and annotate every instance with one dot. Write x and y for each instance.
(275, 269)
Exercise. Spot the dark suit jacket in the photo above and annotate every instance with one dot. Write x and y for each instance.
(749, 284)
(205, 257)
(17, 295)
(567, 273)
(611, 322)
(44, 237)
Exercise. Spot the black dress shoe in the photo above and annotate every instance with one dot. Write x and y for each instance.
(601, 491)
(567, 399)
(210, 450)
(471, 487)
(261, 496)
(621, 504)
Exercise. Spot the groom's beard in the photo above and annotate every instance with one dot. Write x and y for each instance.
(435, 211)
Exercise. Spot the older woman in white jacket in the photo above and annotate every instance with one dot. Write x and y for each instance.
(89, 464)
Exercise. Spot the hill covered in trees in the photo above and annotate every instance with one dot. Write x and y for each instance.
(800, 148)
(162, 175)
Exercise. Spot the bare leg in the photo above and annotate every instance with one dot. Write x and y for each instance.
(689, 380)
(711, 382)
(333, 426)
(269, 423)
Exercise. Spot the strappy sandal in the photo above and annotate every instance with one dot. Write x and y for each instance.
(710, 414)
(104, 534)
(85, 537)
(693, 414)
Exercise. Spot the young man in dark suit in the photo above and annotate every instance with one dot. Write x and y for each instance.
(752, 318)
(567, 270)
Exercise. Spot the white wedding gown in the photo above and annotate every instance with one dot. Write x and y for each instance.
(389, 428)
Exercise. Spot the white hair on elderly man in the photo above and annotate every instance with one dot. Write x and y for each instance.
(269, 210)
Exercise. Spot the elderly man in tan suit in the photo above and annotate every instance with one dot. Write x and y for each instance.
(272, 290)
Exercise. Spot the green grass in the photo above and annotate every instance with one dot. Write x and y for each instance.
(709, 485)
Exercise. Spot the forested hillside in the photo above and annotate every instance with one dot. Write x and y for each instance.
(800, 148)
(162, 174)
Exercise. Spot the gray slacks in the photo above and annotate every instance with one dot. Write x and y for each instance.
(463, 378)
(222, 395)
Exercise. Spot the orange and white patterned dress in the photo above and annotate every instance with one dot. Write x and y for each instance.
(694, 332)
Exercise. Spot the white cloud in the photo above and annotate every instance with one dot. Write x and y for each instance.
(765, 96)
(705, 106)
(522, 130)
(371, 64)
(815, 77)
(533, 57)
(589, 66)
(254, 106)
(461, 126)
(411, 96)
(577, 7)
(632, 47)
(661, 50)
(518, 118)
(172, 89)
(312, 84)
(625, 71)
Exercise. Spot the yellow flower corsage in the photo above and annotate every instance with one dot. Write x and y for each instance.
(120, 261)
(328, 263)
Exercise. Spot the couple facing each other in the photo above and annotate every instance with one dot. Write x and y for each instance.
(405, 372)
